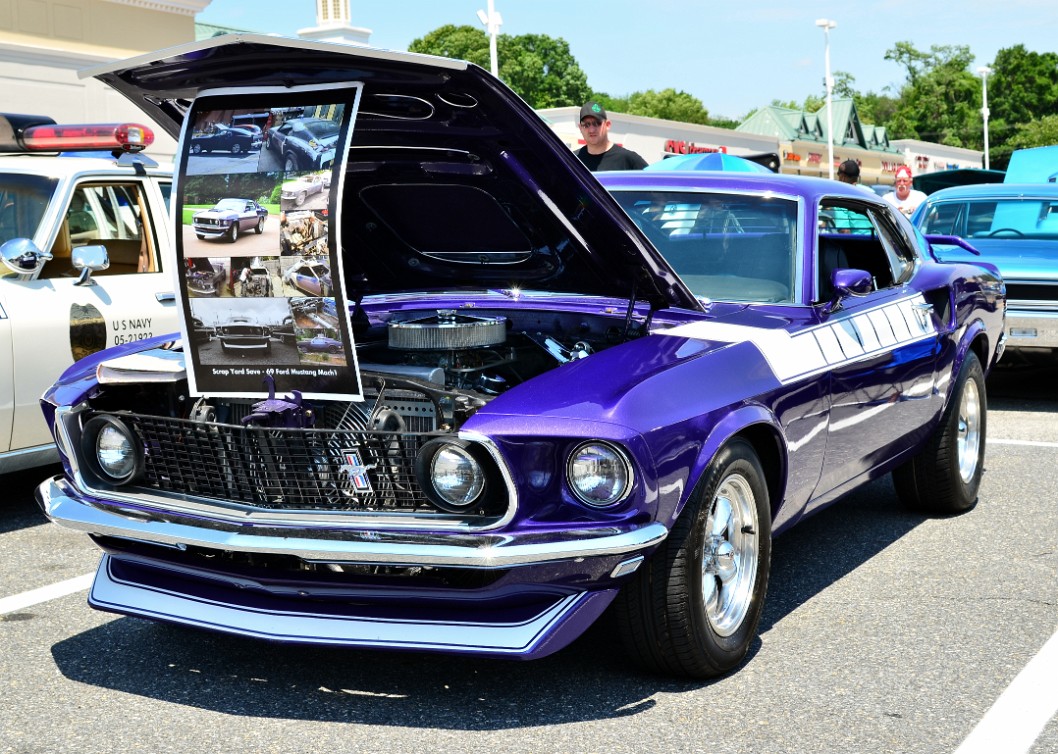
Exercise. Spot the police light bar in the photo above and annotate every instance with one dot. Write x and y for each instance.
(122, 137)
(28, 133)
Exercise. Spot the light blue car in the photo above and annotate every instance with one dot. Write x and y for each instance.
(1015, 227)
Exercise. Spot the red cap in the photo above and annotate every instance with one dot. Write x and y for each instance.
(903, 169)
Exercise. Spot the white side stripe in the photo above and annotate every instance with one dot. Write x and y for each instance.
(842, 340)
(45, 593)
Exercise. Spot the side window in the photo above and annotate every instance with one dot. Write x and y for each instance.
(854, 236)
(113, 215)
(943, 219)
(979, 217)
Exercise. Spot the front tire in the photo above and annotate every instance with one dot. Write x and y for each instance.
(944, 478)
(693, 608)
(290, 163)
(233, 234)
(260, 226)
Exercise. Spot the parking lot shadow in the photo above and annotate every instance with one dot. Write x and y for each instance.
(19, 510)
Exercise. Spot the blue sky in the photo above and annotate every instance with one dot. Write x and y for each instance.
(733, 56)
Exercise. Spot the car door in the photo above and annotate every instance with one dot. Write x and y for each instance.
(883, 347)
(53, 321)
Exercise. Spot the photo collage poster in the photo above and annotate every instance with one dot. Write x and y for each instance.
(259, 258)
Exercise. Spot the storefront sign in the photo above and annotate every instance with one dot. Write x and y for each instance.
(259, 258)
(791, 156)
(814, 158)
(674, 146)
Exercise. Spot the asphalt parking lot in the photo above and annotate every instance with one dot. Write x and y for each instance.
(885, 631)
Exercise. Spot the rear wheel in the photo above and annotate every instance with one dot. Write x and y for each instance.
(236, 148)
(693, 608)
(290, 163)
(946, 475)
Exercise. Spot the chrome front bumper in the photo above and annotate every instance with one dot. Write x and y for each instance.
(1031, 329)
(66, 506)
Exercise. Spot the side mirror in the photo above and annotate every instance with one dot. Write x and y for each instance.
(22, 256)
(845, 283)
(89, 259)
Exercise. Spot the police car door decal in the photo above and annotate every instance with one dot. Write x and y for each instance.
(259, 269)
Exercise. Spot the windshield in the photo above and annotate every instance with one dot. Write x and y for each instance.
(1002, 218)
(321, 129)
(727, 247)
(23, 200)
(232, 204)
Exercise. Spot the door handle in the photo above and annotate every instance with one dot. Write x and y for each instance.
(165, 298)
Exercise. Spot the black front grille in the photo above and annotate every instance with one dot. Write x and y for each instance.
(285, 469)
(1036, 292)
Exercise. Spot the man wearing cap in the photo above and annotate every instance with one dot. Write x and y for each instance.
(598, 152)
(849, 172)
(905, 198)
(845, 220)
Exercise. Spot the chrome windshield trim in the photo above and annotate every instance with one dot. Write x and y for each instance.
(63, 505)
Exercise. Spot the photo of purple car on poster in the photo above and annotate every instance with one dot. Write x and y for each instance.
(245, 163)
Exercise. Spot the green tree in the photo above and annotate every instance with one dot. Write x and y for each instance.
(1041, 132)
(459, 42)
(941, 100)
(668, 104)
(539, 68)
(1022, 88)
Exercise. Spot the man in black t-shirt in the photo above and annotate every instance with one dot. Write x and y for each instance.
(598, 152)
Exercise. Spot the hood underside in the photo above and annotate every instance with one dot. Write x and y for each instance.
(452, 181)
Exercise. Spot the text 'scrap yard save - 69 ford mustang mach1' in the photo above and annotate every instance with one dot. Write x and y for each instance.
(562, 395)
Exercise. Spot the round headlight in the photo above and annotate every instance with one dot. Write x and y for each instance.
(599, 474)
(456, 477)
(111, 449)
(456, 474)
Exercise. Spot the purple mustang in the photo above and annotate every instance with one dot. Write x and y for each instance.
(580, 395)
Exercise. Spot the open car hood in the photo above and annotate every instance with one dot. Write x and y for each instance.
(452, 180)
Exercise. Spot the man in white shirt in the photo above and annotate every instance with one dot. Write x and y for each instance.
(905, 198)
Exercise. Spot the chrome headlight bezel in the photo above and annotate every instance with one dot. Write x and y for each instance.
(130, 461)
(435, 478)
(620, 474)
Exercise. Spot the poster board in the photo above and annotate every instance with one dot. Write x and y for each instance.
(258, 246)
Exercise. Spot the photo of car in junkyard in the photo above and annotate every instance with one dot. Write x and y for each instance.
(306, 191)
(242, 331)
(217, 145)
(207, 276)
(316, 348)
(302, 143)
(303, 233)
(314, 313)
(306, 276)
(255, 277)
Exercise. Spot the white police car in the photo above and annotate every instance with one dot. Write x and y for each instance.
(83, 237)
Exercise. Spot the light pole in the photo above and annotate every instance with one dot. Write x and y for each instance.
(492, 21)
(826, 25)
(984, 71)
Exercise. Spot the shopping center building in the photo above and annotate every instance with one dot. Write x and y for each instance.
(788, 141)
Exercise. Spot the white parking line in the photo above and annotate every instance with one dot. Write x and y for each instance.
(1029, 443)
(1021, 712)
(45, 593)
